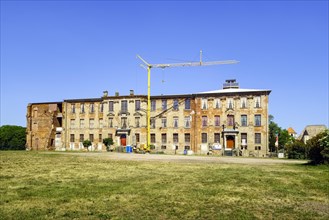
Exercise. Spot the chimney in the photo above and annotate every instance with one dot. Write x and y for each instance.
(105, 93)
(131, 92)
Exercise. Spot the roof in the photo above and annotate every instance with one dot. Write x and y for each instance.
(312, 130)
(235, 90)
(291, 130)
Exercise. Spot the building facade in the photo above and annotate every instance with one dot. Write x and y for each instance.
(229, 121)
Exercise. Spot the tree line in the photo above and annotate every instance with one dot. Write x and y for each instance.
(12, 137)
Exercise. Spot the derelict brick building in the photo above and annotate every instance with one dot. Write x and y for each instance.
(224, 122)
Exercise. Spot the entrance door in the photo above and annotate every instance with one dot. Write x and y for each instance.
(230, 142)
(123, 140)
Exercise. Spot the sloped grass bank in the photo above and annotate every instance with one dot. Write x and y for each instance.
(60, 186)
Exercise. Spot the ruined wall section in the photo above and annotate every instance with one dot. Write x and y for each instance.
(42, 121)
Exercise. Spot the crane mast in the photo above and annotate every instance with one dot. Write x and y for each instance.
(148, 66)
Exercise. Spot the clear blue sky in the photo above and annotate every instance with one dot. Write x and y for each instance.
(56, 50)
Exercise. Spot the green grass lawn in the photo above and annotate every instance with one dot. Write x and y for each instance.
(59, 186)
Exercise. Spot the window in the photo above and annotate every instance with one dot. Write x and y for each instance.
(230, 103)
(258, 139)
(187, 122)
(216, 137)
(91, 123)
(204, 121)
(258, 120)
(92, 108)
(164, 122)
(244, 140)
(152, 122)
(101, 123)
(217, 120)
(163, 138)
(164, 105)
(258, 147)
(91, 137)
(175, 138)
(204, 138)
(137, 122)
(124, 106)
(111, 106)
(204, 103)
(153, 105)
(257, 101)
(72, 123)
(138, 105)
(82, 123)
(124, 123)
(217, 103)
(110, 136)
(152, 138)
(175, 122)
(244, 121)
(137, 138)
(81, 138)
(175, 105)
(187, 104)
(243, 102)
(187, 137)
(100, 138)
(110, 122)
(163, 147)
(101, 107)
(71, 137)
(72, 108)
(230, 120)
(82, 108)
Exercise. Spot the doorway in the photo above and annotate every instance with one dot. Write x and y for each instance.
(230, 142)
(123, 140)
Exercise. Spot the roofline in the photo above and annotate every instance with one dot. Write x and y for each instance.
(40, 103)
(267, 92)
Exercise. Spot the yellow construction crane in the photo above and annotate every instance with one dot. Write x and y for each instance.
(149, 66)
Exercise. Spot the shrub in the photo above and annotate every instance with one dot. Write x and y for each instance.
(86, 143)
(297, 150)
(319, 148)
(108, 142)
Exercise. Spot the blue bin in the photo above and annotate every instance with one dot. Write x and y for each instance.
(129, 149)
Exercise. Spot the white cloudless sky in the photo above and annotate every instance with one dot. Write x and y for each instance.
(56, 50)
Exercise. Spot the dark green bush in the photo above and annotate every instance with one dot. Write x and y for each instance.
(297, 150)
(319, 148)
(12, 137)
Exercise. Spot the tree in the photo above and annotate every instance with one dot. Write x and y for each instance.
(12, 137)
(324, 142)
(108, 142)
(86, 143)
(319, 148)
(284, 138)
(274, 129)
